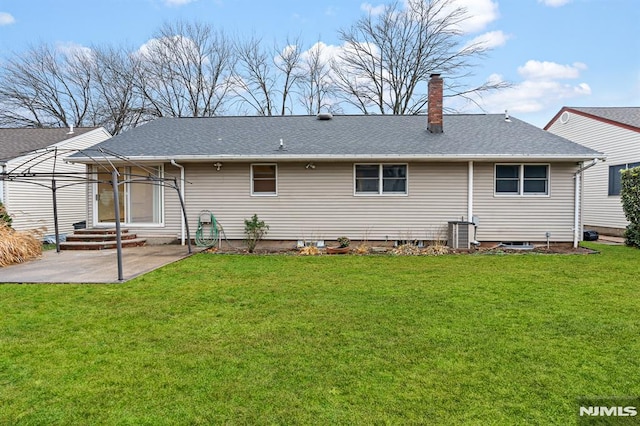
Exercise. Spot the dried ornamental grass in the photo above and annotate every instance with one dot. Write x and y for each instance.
(309, 251)
(436, 250)
(406, 250)
(363, 249)
(17, 246)
(412, 250)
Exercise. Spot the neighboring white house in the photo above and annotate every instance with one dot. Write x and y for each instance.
(367, 177)
(31, 206)
(615, 131)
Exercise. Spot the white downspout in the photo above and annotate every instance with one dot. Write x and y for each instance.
(182, 227)
(576, 213)
(576, 210)
(470, 192)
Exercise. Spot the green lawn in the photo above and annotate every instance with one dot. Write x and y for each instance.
(226, 339)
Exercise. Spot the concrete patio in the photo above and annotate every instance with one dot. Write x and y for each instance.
(93, 266)
(608, 239)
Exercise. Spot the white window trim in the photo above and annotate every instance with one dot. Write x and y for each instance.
(160, 224)
(380, 192)
(521, 192)
(263, 194)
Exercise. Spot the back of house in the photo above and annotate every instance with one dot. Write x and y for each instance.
(377, 178)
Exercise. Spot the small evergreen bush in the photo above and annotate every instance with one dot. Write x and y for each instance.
(343, 241)
(4, 216)
(254, 230)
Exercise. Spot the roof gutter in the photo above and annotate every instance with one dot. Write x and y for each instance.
(348, 157)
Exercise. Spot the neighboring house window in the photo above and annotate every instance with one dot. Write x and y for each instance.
(376, 179)
(615, 179)
(522, 179)
(264, 179)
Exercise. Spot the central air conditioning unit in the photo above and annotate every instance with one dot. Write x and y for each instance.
(460, 235)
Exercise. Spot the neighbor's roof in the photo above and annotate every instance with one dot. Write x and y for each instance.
(15, 142)
(627, 117)
(347, 137)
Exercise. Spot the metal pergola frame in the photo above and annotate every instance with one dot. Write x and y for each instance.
(104, 161)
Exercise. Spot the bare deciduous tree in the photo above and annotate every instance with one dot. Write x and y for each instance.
(45, 87)
(388, 58)
(315, 83)
(265, 78)
(188, 69)
(185, 70)
(118, 103)
(288, 62)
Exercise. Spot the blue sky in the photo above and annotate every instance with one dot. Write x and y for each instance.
(555, 52)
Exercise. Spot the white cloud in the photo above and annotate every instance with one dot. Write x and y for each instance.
(495, 79)
(542, 88)
(172, 48)
(490, 40)
(554, 3)
(6, 18)
(480, 13)
(75, 50)
(371, 9)
(537, 70)
(327, 52)
(177, 2)
(533, 96)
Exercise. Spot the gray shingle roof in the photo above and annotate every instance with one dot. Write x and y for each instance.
(15, 142)
(342, 137)
(623, 115)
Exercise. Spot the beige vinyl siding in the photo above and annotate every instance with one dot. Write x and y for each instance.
(620, 145)
(31, 206)
(320, 203)
(525, 218)
(172, 213)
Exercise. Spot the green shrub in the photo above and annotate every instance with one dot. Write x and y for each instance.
(343, 241)
(630, 197)
(254, 229)
(4, 216)
(632, 235)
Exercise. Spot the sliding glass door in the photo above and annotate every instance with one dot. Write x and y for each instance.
(139, 195)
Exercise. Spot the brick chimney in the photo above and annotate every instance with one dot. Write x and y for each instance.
(434, 108)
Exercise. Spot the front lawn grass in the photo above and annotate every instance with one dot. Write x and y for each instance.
(227, 339)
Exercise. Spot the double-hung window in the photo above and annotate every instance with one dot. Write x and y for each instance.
(264, 179)
(522, 179)
(615, 179)
(380, 179)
